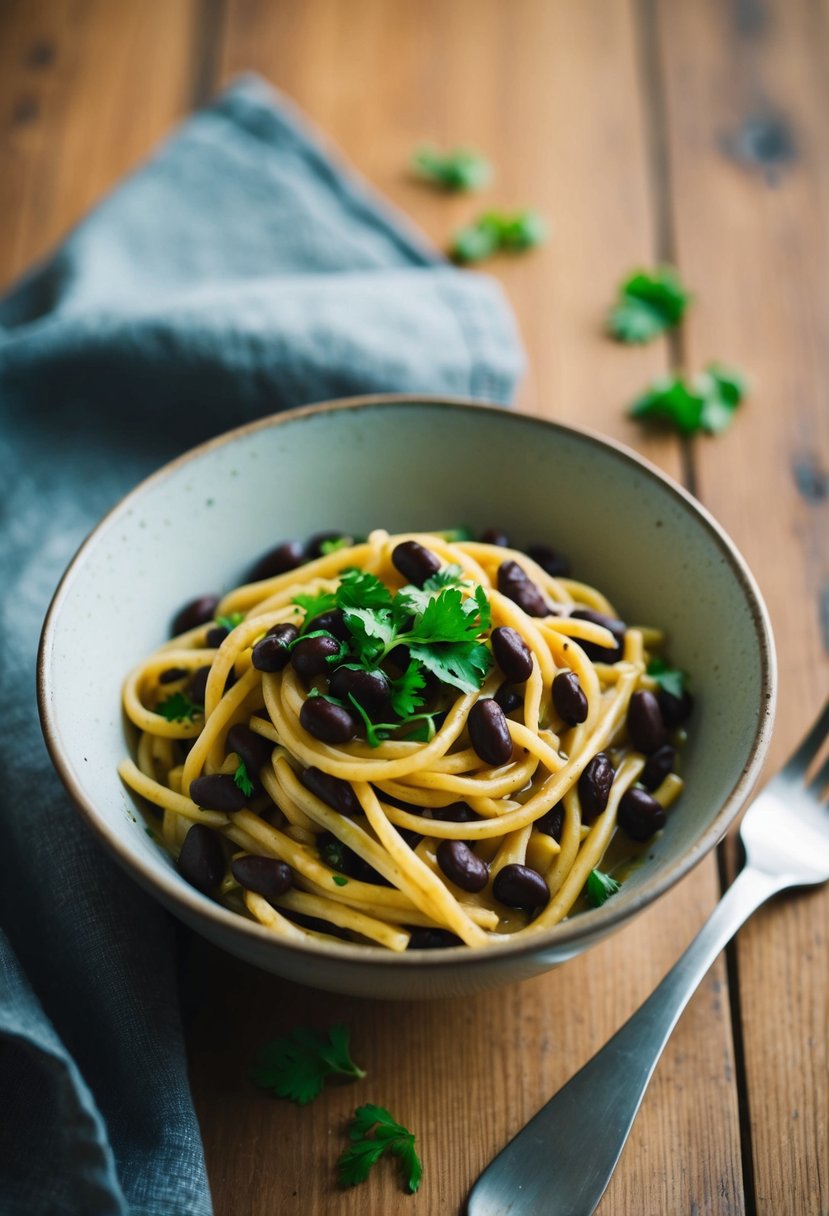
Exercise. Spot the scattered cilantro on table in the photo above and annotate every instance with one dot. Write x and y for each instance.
(496, 231)
(671, 679)
(178, 708)
(600, 887)
(648, 304)
(372, 1133)
(706, 404)
(296, 1065)
(459, 169)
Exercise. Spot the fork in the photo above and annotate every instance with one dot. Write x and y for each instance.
(562, 1161)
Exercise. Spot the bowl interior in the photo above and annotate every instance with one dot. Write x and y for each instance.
(197, 525)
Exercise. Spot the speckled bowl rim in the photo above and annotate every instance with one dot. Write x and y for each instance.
(590, 925)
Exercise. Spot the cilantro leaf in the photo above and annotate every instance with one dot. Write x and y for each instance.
(461, 664)
(600, 887)
(372, 632)
(242, 780)
(447, 576)
(334, 543)
(178, 708)
(340, 880)
(460, 169)
(669, 678)
(372, 1133)
(405, 689)
(708, 404)
(295, 1065)
(314, 605)
(361, 589)
(648, 304)
(230, 621)
(495, 231)
(449, 617)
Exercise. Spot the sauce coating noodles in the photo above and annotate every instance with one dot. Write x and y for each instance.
(294, 727)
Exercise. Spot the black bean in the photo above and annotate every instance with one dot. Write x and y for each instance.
(516, 585)
(552, 822)
(325, 721)
(171, 674)
(265, 876)
(217, 792)
(198, 684)
(675, 710)
(489, 733)
(432, 939)
(254, 749)
(216, 636)
(569, 700)
(332, 622)
(594, 786)
(414, 562)
(512, 654)
(520, 887)
(550, 560)
(461, 866)
(333, 791)
(310, 655)
(286, 556)
(509, 698)
(202, 860)
(494, 536)
(594, 652)
(400, 657)
(456, 812)
(659, 764)
(343, 859)
(370, 688)
(646, 729)
(272, 652)
(640, 815)
(196, 612)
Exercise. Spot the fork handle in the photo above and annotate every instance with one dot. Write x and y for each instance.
(585, 1125)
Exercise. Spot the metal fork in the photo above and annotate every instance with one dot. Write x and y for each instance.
(562, 1161)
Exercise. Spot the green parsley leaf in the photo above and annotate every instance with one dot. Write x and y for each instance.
(360, 589)
(405, 689)
(669, 678)
(340, 880)
(372, 1133)
(447, 576)
(372, 632)
(242, 780)
(600, 887)
(495, 231)
(708, 404)
(295, 1065)
(334, 543)
(313, 605)
(460, 169)
(230, 621)
(178, 708)
(648, 304)
(461, 664)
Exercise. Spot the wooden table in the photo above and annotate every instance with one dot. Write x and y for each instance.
(691, 131)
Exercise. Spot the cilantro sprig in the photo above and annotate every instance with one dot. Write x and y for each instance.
(372, 1133)
(600, 887)
(460, 169)
(707, 403)
(671, 679)
(497, 231)
(241, 779)
(296, 1065)
(648, 304)
(178, 708)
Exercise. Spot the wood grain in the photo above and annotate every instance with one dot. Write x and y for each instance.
(747, 95)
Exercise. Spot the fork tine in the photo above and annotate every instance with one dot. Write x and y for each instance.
(808, 749)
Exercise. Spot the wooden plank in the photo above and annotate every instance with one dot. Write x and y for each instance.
(749, 152)
(86, 89)
(379, 79)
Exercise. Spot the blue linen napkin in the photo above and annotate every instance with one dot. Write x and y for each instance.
(242, 270)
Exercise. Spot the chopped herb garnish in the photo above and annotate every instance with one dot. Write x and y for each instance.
(314, 605)
(230, 621)
(295, 1066)
(707, 404)
(242, 780)
(372, 1133)
(334, 543)
(340, 880)
(648, 304)
(460, 169)
(178, 708)
(669, 678)
(600, 887)
(494, 231)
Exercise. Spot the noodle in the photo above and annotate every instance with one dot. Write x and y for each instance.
(333, 736)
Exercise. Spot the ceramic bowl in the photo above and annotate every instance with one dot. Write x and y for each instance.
(408, 464)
